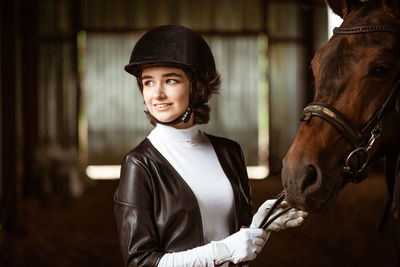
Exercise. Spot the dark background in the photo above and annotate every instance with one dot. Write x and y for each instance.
(44, 221)
(81, 232)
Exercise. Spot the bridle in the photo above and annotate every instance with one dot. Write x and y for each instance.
(360, 140)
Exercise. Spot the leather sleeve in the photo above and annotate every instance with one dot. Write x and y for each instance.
(133, 210)
(247, 213)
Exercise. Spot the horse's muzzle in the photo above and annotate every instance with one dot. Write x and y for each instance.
(307, 187)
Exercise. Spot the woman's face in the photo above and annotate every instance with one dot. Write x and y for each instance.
(166, 92)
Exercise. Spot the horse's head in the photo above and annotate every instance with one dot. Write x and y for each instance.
(356, 73)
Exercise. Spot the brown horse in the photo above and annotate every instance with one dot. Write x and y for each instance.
(354, 117)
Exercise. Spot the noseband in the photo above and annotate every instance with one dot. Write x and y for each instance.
(361, 140)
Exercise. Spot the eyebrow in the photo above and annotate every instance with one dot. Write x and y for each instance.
(166, 75)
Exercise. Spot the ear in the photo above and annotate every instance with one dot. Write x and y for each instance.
(392, 7)
(342, 7)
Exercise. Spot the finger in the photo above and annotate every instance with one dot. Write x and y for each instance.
(280, 209)
(293, 213)
(258, 249)
(259, 242)
(274, 227)
(294, 223)
(265, 235)
(267, 204)
(302, 213)
(251, 257)
(256, 232)
(284, 204)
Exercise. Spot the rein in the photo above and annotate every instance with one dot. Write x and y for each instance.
(267, 219)
(360, 140)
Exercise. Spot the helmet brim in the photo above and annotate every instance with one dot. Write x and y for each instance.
(136, 68)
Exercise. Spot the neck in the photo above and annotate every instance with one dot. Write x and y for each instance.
(184, 125)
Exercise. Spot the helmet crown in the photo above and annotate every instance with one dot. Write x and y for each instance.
(171, 44)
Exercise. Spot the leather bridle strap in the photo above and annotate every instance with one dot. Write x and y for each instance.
(345, 127)
(336, 119)
(366, 29)
(386, 106)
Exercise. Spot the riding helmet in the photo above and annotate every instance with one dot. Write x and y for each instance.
(171, 44)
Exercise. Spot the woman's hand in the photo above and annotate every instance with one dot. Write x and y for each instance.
(292, 218)
(241, 246)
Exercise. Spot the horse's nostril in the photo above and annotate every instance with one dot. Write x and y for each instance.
(310, 177)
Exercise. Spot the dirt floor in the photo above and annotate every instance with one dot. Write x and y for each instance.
(81, 232)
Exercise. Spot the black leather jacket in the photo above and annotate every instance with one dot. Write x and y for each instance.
(156, 211)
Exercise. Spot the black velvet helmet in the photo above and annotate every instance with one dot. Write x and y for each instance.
(171, 44)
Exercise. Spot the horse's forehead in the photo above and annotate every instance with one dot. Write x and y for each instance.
(334, 64)
(354, 49)
(339, 51)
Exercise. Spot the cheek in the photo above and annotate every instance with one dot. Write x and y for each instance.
(184, 97)
(146, 96)
(181, 95)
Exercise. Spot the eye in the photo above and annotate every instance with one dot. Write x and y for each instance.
(380, 69)
(171, 81)
(148, 83)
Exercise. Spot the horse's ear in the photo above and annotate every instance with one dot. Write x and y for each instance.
(342, 7)
(392, 7)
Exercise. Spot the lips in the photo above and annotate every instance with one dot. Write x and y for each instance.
(161, 106)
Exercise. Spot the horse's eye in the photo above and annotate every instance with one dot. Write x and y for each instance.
(379, 69)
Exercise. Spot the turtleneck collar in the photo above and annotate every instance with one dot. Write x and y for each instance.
(171, 134)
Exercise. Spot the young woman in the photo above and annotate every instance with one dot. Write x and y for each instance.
(183, 197)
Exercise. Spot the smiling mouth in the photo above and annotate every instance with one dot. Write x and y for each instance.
(161, 106)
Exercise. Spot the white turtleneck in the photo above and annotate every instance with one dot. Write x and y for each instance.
(192, 155)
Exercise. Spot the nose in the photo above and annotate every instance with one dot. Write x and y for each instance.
(301, 178)
(159, 91)
(310, 177)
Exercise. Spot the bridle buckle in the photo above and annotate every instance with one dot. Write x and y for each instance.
(362, 152)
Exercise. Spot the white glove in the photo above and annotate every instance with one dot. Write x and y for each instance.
(241, 246)
(292, 218)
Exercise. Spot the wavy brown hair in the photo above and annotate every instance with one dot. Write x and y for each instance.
(207, 83)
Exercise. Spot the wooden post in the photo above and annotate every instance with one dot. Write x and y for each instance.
(29, 61)
(8, 113)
